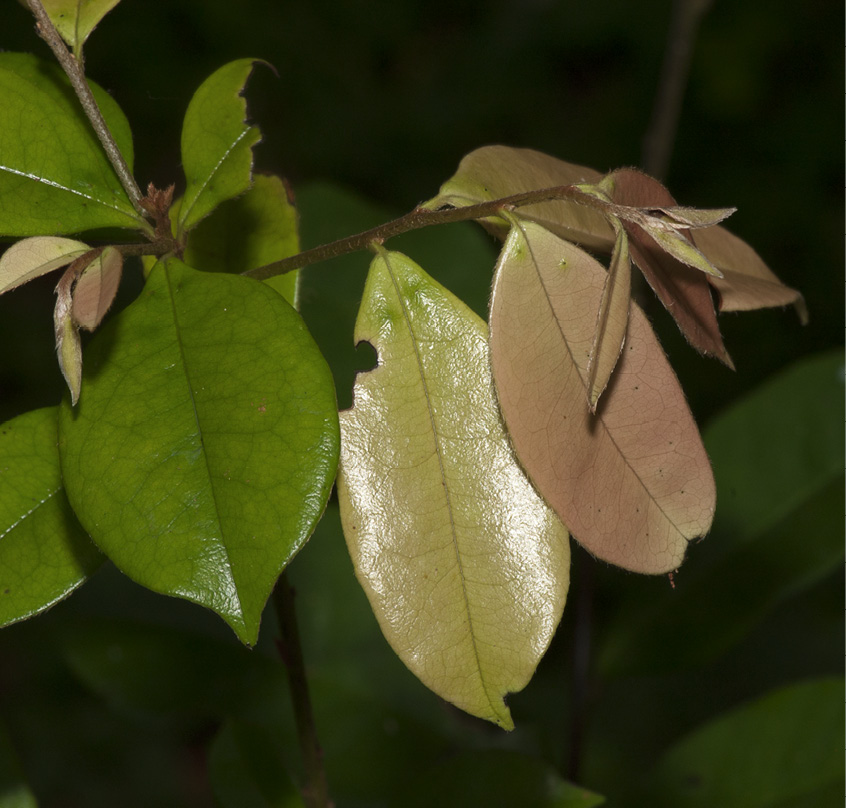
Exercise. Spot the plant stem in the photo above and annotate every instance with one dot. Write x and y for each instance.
(424, 217)
(73, 69)
(316, 791)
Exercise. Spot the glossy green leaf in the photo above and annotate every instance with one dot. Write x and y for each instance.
(493, 172)
(217, 144)
(205, 444)
(34, 257)
(14, 791)
(760, 755)
(248, 232)
(76, 19)
(493, 778)
(44, 553)
(632, 481)
(246, 769)
(465, 567)
(54, 176)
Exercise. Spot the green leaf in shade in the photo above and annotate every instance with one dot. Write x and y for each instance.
(217, 144)
(245, 769)
(778, 462)
(44, 553)
(54, 175)
(205, 444)
(76, 19)
(34, 257)
(14, 791)
(494, 778)
(464, 565)
(255, 229)
(632, 482)
(493, 172)
(784, 746)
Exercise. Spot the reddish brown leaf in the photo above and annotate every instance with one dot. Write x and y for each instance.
(96, 288)
(684, 291)
(633, 482)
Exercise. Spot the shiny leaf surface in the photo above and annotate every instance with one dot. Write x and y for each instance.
(632, 482)
(217, 144)
(204, 447)
(36, 256)
(465, 567)
(76, 19)
(44, 553)
(54, 176)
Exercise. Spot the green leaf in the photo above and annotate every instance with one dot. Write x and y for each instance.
(54, 175)
(465, 567)
(763, 754)
(34, 257)
(14, 792)
(217, 144)
(255, 229)
(44, 553)
(494, 778)
(205, 444)
(245, 769)
(76, 19)
(632, 481)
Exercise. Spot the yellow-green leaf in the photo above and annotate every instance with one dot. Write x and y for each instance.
(76, 19)
(33, 257)
(632, 482)
(465, 566)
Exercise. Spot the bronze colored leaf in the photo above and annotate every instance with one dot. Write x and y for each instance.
(465, 566)
(493, 172)
(632, 482)
(96, 288)
(683, 290)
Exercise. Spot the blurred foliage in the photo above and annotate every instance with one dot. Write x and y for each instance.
(386, 98)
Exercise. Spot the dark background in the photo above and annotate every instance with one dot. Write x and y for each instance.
(383, 99)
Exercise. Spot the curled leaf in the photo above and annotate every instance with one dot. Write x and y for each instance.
(632, 482)
(680, 216)
(96, 288)
(680, 247)
(33, 257)
(68, 346)
(465, 566)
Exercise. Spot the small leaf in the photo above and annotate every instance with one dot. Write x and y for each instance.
(251, 231)
(493, 172)
(44, 553)
(204, 450)
(217, 144)
(675, 243)
(464, 565)
(612, 320)
(68, 345)
(684, 217)
(684, 291)
(632, 482)
(36, 256)
(54, 176)
(96, 288)
(786, 745)
(76, 19)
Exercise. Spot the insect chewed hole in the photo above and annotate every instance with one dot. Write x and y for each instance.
(365, 357)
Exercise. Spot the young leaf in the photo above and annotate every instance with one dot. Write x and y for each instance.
(68, 345)
(464, 565)
(680, 247)
(44, 553)
(76, 19)
(632, 482)
(612, 320)
(683, 290)
(255, 229)
(54, 176)
(493, 172)
(203, 452)
(36, 256)
(96, 288)
(217, 144)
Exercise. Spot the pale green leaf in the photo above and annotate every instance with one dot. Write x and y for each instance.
(36, 256)
(203, 451)
(96, 288)
(679, 247)
(251, 231)
(76, 19)
(217, 144)
(786, 744)
(681, 216)
(54, 175)
(632, 482)
(493, 172)
(68, 345)
(464, 565)
(44, 553)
